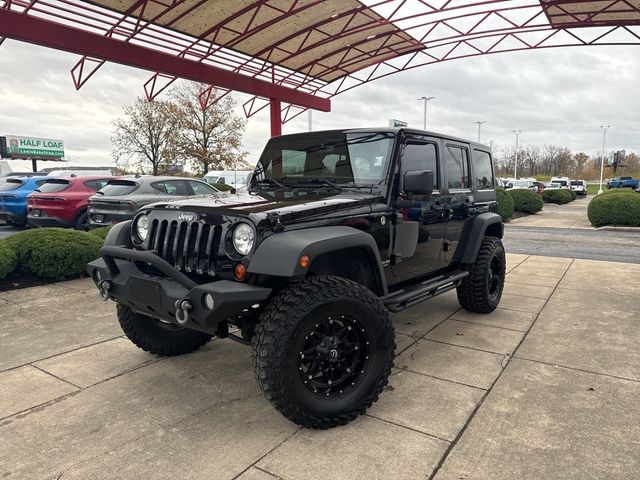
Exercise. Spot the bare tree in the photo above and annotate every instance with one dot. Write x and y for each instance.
(209, 139)
(146, 135)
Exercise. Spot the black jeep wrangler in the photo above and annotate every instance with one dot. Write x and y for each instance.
(336, 230)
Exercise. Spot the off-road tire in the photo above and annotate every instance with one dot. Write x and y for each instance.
(475, 293)
(150, 336)
(281, 332)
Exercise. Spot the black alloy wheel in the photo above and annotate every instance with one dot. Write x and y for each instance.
(335, 355)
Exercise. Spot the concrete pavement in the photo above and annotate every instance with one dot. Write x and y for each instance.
(547, 386)
(571, 215)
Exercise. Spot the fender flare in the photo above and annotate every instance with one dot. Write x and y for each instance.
(119, 235)
(474, 231)
(279, 254)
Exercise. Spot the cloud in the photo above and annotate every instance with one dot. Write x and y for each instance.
(555, 96)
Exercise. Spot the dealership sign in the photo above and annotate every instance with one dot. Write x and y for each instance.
(33, 147)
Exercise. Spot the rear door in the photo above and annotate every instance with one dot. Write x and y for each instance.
(459, 198)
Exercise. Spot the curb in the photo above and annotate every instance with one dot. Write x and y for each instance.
(611, 228)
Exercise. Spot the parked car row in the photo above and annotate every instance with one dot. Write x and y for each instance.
(84, 202)
(578, 186)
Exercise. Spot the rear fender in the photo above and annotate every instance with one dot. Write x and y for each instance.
(474, 231)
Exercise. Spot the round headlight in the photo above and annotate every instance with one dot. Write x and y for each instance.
(142, 227)
(243, 238)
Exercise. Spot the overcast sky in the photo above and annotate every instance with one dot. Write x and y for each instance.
(556, 96)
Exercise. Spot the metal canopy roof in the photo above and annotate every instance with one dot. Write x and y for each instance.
(307, 36)
(304, 52)
(571, 13)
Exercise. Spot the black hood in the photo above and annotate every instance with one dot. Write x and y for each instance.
(258, 207)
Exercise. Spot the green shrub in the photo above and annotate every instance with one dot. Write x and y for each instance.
(572, 194)
(615, 207)
(7, 259)
(100, 232)
(525, 200)
(505, 204)
(223, 187)
(55, 253)
(559, 197)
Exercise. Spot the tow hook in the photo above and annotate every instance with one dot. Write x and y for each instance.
(182, 311)
(104, 287)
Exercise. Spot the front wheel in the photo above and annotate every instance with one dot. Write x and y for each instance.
(323, 351)
(481, 290)
(158, 337)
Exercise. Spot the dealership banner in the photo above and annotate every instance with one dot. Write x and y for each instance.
(33, 147)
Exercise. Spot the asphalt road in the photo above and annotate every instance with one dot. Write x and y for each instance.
(613, 246)
(6, 230)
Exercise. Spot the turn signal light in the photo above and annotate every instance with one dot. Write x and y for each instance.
(240, 272)
(305, 261)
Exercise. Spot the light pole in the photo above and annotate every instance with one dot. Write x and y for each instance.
(604, 136)
(515, 164)
(479, 123)
(425, 99)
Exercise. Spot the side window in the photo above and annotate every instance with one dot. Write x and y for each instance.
(457, 167)
(160, 186)
(421, 156)
(176, 187)
(201, 189)
(482, 171)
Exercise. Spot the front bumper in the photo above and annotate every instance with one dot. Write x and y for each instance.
(158, 296)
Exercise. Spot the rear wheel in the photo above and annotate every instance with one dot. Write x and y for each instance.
(481, 290)
(323, 351)
(158, 337)
(82, 222)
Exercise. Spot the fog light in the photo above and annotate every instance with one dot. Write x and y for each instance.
(240, 272)
(208, 301)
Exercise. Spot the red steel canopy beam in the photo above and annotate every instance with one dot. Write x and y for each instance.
(27, 28)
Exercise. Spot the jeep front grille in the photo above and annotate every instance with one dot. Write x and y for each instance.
(191, 247)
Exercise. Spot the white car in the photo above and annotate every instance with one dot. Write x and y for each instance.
(580, 187)
(522, 184)
(552, 186)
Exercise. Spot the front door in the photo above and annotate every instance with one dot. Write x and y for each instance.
(419, 231)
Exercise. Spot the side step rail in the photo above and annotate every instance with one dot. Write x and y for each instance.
(398, 301)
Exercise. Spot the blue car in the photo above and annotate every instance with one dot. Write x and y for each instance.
(13, 198)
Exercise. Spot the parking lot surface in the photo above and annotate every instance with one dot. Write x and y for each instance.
(547, 386)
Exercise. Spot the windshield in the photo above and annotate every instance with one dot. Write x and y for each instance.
(119, 187)
(11, 184)
(52, 186)
(336, 157)
(576, 183)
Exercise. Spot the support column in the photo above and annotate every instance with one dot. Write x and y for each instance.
(276, 119)
(34, 164)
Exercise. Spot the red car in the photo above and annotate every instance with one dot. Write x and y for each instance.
(62, 202)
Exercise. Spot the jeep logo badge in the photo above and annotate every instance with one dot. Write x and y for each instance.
(186, 216)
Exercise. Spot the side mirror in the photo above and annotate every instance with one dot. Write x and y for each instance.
(419, 182)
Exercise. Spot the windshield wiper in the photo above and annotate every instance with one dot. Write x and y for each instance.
(312, 182)
(268, 182)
